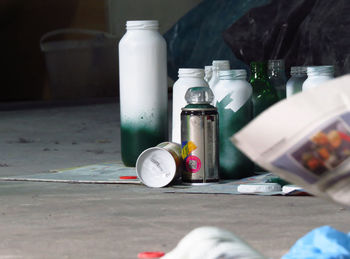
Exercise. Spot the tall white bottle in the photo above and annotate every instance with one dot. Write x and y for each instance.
(143, 89)
(217, 66)
(188, 77)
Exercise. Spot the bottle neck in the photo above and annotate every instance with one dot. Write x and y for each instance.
(234, 74)
(276, 68)
(147, 25)
(258, 70)
(298, 71)
(320, 71)
(208, 69)
(191, 73)
(276, 73)
(232, 78)
(220, 65)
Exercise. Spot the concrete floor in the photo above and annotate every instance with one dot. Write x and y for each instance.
(56, 220)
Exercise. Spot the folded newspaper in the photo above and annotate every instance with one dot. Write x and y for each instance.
(305, 139)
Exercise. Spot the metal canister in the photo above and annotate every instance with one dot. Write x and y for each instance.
(199, 137)
(159, 166)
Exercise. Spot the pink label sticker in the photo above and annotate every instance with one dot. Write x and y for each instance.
(193, 164)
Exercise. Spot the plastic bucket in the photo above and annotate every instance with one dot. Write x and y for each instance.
(78, 68)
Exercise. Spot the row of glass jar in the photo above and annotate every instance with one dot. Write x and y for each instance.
(270, 80)
(302, 77)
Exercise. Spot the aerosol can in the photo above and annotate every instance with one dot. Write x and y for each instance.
(199, 137)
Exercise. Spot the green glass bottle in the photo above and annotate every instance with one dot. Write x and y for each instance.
(264, 95)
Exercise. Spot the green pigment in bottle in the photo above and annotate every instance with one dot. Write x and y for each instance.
(135, 139)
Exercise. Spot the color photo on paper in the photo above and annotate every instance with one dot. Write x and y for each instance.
(326, 149)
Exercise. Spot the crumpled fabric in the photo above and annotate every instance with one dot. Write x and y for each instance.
(212, 243)
(321, 243)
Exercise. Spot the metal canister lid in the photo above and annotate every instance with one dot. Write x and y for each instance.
(156, 167)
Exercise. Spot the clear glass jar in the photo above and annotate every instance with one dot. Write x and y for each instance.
(188, 77)
(316, 75)
(295, 82)
(277, 77)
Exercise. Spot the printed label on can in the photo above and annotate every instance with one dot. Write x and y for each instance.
(187, 148)
(199, 146)
(193, 164)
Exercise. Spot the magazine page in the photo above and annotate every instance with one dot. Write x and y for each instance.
(305, 139)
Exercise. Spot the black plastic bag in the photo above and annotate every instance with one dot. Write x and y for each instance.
(303, 32)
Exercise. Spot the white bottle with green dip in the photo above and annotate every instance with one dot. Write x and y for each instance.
(143, 89)
(233, 96)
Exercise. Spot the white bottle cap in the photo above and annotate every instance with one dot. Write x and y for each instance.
(191, 72)
(142, 25)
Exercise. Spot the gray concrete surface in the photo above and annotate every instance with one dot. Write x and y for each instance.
(56, 220)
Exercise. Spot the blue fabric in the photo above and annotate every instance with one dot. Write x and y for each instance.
(321, 243)
(196, 39)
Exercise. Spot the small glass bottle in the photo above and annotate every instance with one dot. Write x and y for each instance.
(264, 95)
(317, 75)
(295, 82)
(277, 77)
(208, 70)
(143, 89)
(188, 77)
(233, 101)
(217, 66)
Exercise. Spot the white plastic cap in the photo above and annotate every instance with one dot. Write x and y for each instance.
(142, 25)
(191, 72)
